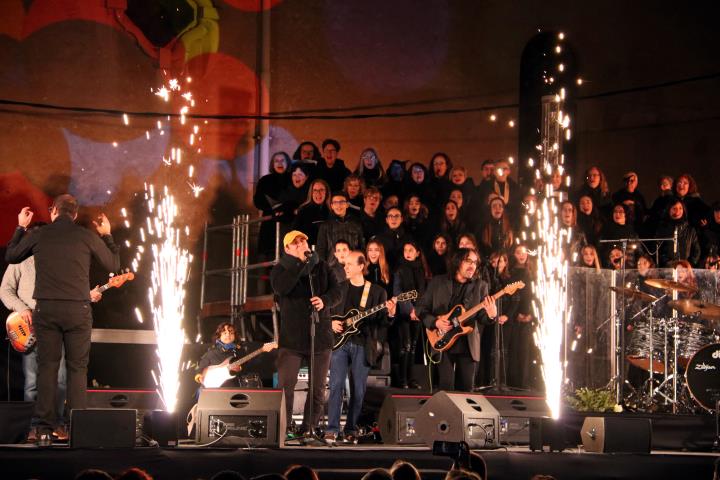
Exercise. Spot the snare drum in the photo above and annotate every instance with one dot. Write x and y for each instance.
(703, 376)
(638, 350)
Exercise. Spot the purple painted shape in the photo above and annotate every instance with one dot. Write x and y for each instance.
(97, 167)
(386, 46)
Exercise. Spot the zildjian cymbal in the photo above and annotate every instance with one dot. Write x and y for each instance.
(634, 294)
(671, 285)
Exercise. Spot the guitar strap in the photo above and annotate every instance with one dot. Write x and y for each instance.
(365, 295)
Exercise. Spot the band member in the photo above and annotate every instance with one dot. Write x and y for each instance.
(460, 286)
(224, 347)
(360, 352)
(290, 280)
(62, 315)
(16, 292)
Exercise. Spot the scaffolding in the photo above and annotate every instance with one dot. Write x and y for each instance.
(239, 308)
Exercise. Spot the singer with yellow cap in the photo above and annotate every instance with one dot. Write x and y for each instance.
(291, 282)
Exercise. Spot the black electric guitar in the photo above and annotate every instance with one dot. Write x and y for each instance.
(442, 340)
(353, 319)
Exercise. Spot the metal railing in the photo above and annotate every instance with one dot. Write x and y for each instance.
(238, 273)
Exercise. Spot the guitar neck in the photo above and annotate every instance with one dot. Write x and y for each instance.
(101, 289)
(246, 358)
(366, 313)
(469, 313)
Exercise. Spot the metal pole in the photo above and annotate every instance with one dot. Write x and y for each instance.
(202, 275)
(615, 333)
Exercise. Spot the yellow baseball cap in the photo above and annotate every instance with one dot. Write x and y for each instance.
(291, 236)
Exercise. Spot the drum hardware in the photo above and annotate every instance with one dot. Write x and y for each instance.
(670, 285)
(634, 294)
(716, 442)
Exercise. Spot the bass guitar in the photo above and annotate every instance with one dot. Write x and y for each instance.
(20, 331)
(215, 375)
(353, 319)
(442, 340)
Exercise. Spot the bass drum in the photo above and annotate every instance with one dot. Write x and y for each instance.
(703, 376)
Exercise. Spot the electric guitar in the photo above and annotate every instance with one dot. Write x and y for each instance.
(215, 375)
(442, 340)
(22, 334)
(353, 319)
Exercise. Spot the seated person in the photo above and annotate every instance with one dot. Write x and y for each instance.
(224, 347)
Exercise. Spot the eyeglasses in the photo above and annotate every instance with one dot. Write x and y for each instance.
(394, 216)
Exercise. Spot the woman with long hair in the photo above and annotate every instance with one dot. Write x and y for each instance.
(313, 211)
(267, 195)
(415, 220)
(411, 274)
(438, 254)
(497, 234)
(419, 184)
(588, 258)
(354, 187)
(589, 219)
(370, 169)
(568, 221)
(377, 269)
(451, 224)
(596, 187)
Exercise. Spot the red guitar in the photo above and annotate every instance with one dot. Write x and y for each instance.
(21, 333)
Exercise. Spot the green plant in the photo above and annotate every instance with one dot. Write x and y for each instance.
(592, 400)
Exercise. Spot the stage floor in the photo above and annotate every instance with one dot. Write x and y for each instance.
(351, 462)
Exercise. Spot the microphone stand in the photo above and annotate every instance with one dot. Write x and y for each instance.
(315, 320)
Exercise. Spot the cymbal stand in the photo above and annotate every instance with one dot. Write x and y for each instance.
(651, 346)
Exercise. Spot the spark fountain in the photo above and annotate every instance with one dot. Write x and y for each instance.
(550, 288)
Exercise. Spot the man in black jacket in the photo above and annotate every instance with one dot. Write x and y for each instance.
(461, 286)
(359, 353)
(62, 251)
(340, 225)
(290, 280)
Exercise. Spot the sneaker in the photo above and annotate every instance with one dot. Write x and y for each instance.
(44, 440)
(330, 438)
(61, 434)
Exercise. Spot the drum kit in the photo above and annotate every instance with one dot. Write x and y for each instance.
(680, 353)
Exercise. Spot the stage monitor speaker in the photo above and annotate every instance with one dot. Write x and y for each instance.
(15, 421)
(241, 418)
(515, 414)
(143, 401)
(617, 435)
(103, 428)
(398, 417)
(457, 417)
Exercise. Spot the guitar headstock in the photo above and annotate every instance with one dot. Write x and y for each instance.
(513, 287)
(407, 296)
(118, 280)
(269, 346)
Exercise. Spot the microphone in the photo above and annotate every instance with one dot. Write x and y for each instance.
(309, 254)
(675, 242)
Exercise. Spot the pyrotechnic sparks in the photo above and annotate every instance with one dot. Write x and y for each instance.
(550, 288)
(171, 265)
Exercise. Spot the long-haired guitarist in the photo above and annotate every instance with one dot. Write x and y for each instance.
(460, 286)
(360, 352)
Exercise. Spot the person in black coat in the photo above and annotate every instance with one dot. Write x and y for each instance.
(314, 211)
(329, 167)
(377, 269)
(397, 178)
(710, 233)
(290, 280)
(339, 225)
(416, 221)
(266, 198)
(438, 254)
(370, 169)
(674, 225)
(520, 350)
(419, 184)
(439, 169)
(393, 237)
(596, 187)
(371, 217)
(460, 179)
(294, 194)
(631, 197)
(461, 286)
(411, 274)
(618, 228)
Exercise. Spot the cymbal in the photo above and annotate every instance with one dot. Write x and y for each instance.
(707, 311)
(634, 294)
(670, 285)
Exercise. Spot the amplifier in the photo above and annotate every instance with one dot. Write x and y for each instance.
(398, 418)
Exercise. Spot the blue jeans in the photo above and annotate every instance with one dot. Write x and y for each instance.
(348, 358)
(30, 370)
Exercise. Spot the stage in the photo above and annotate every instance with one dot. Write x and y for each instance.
(26, 461)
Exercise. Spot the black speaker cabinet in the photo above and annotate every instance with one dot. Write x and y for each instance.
(142, 401)
(515, 415)
(617, 434)
(103, 428)
(237, 417)
(456, 417)
(15, 421)
(547, 431)
(398, 417)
